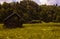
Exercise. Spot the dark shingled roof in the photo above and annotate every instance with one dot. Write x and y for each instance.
(12, 15)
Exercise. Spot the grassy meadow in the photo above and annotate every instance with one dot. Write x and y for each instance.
(32, 31)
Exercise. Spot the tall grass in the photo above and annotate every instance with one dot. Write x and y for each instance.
(31, 31)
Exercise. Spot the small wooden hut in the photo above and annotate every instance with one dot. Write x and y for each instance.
(12, 21)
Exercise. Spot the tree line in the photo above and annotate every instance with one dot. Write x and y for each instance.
(30, 11)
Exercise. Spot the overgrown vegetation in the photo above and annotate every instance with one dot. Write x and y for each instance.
(32, 31)
(31, 11)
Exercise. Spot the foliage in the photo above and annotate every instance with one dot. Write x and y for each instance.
(30, 11)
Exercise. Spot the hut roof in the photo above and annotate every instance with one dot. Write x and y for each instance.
(12, 15)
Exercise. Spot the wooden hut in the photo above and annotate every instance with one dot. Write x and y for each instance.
(13, 20)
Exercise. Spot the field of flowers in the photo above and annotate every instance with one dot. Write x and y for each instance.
(32, 31)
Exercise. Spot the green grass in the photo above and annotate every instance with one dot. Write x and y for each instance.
(32, 31)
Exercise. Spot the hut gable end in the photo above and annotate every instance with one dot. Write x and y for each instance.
(13, 20)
